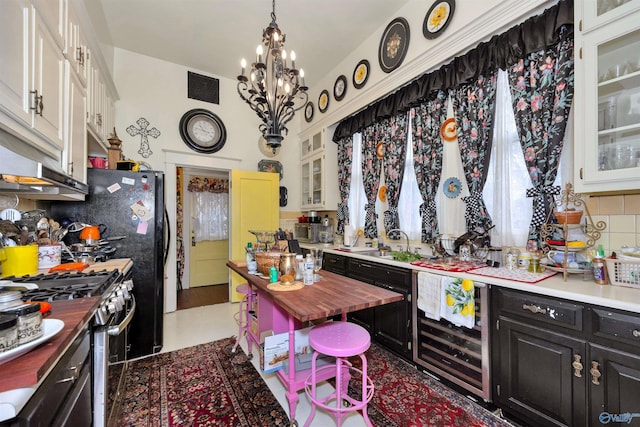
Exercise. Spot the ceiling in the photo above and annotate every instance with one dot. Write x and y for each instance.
(214, 35)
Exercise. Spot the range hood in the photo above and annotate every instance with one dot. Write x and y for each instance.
(26, 171)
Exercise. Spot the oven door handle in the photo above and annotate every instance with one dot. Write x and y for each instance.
(117, 330)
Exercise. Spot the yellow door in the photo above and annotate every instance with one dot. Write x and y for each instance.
(208, 263)
(255, 205)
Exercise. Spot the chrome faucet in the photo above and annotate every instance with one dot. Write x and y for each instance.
(402, 232)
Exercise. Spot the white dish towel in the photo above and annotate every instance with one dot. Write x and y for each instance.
(429, 294)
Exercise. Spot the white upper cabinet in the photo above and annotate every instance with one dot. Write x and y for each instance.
(319, 172)
(54, 15)
(607, 96)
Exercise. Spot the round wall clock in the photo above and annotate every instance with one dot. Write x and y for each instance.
(202, 131)
(393, 45)
(361, 74)
(438, 18)
(265, 149)
(340, 88)
(308, 112)
(323, 101)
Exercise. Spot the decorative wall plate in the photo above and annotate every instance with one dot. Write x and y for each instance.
(380, 150)
(438, 18)
(265, 149)
(448, 130)
(382, 193)
(270, 166)
(361, 74)
(393, 45)
(323, 101)
(308, 112)
(340, 88)
(452, 187)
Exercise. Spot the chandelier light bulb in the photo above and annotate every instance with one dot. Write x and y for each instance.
(293, 60)
(259, 52)
(243, 64)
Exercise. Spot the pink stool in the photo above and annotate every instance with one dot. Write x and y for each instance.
(340, 340)
(243, 317)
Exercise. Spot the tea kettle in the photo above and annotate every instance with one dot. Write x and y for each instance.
(91, 233)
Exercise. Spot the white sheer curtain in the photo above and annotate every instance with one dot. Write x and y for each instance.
(507, 181)
(410, 199)
(357, 197)
(210, 216)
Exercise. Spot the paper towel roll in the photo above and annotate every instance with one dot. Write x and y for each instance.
(349, 233)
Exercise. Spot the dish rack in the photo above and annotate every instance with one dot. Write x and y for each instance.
(477, 252)
(624, 272)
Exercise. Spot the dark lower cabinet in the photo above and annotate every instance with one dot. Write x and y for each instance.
(558, 363)
(390, 324)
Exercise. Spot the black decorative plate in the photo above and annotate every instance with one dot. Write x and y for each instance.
(340, 88)
(361, 74)
(393, 45)
(438, 18)
(323, 101)
(308, 112)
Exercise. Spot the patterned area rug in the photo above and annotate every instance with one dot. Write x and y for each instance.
(405, 397)
(204, 385)
(207, 385)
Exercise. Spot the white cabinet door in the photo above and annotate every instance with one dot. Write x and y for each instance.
(597, 13)
(607, 102)
(54, 16)
(74, 154)
(47, 85)
(77, 49)
(14, 50)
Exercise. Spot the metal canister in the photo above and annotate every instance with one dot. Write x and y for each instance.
(29, 321)
(8, 333)
(10, 299)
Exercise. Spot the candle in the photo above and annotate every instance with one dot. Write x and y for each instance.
(259, 53)
(243, 64)
(293, 60)
(302, 75)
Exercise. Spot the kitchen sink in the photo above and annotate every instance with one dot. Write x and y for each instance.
(376, 254)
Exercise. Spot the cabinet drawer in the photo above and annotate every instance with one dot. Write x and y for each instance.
(618, 326)
(540, 308)
(335, 263)
(385, 276)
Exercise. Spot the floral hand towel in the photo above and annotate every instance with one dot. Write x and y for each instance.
(458, 303)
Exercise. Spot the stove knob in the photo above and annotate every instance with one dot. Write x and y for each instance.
(123, 293)
(128, 284)
(111, 307)
(117, 304)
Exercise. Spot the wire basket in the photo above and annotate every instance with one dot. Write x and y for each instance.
(477, 252)
(624, 272)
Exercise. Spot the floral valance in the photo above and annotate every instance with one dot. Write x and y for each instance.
(501, 51)
(200, 184)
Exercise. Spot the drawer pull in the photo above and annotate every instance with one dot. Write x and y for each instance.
(595, 373)
(534, 309)
(75, 373)
(577, 366)
(636, 333)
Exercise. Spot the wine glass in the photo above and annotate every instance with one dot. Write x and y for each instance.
(317, 263)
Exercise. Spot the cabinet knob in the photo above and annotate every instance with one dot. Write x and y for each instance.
(636, 333)
(595, 373)
(577, 366)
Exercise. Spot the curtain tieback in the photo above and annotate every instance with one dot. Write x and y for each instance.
(343, 211)
(428, 211)
(474, 203)
(391, 218)
(539, 194)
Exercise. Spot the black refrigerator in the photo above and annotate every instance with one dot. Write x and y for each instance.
(131, 205)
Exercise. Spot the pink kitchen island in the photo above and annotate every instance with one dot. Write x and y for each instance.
(288, 311)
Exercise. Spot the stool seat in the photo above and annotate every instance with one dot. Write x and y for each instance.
(339, 339)
(243, 288)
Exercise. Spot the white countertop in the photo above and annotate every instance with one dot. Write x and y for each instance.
(574, 289)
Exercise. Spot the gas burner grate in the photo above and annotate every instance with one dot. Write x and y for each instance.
(67, 285)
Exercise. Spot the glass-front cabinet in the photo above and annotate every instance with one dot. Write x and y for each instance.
(319, 182)
(607, 95)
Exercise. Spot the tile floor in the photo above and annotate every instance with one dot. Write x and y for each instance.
(184, 328)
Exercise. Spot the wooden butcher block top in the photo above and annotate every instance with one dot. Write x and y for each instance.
(332, 295)
(28, 369)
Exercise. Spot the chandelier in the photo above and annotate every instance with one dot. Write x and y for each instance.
(274, 89)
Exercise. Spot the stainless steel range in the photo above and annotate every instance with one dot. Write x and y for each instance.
(109, 327)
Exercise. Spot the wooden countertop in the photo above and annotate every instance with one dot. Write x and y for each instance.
(29, 369)
(332, 295)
